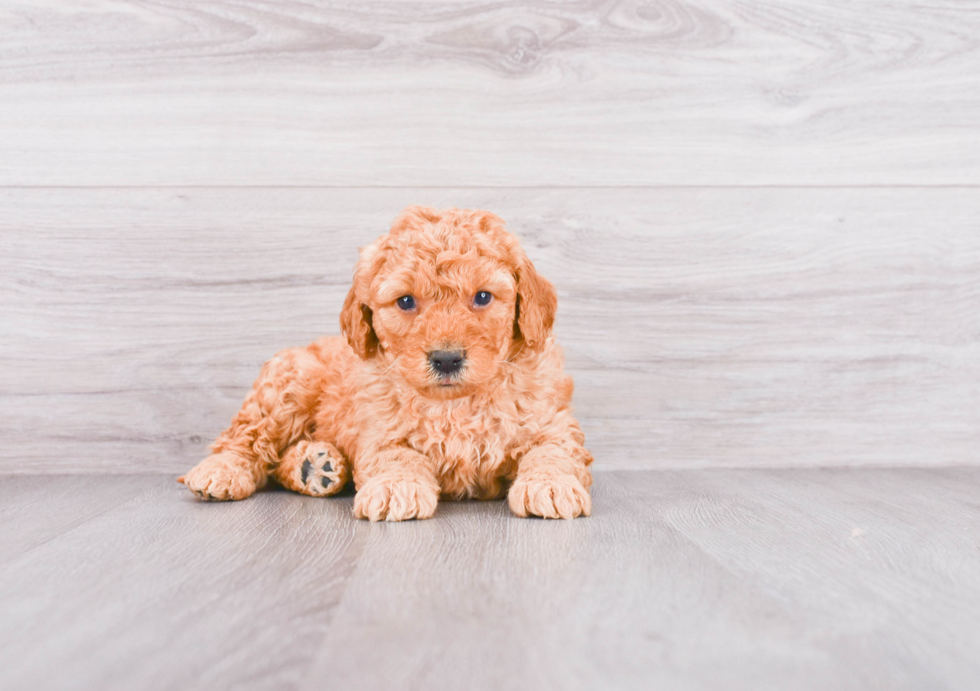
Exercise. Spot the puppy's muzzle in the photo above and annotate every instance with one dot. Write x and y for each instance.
(446, 362)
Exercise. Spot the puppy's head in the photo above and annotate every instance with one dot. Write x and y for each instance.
(445, 298)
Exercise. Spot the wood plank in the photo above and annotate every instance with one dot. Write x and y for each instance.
(725, 327)
(706, 579)
(803, 579)
(115, 92)
(169, 592)
(26, 503)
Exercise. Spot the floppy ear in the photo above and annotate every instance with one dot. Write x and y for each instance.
(537, 302)
(355, 324)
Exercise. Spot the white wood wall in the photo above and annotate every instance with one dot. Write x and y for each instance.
(763, 219)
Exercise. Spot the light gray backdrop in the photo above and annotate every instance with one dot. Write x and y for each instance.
(763, 221)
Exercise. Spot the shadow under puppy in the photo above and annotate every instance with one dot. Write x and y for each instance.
(449, 383)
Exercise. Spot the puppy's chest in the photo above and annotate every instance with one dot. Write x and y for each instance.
(472, 451)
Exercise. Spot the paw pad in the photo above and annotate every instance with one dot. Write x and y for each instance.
(317, 472)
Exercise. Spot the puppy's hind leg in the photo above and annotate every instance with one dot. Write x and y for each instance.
(276, 414)
(316, 468)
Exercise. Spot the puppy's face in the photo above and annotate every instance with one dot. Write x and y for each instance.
(445, 332)
(445, 299)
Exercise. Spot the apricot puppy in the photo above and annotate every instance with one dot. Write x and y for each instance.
(449, 383)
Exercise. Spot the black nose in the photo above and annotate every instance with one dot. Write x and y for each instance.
(446, 361)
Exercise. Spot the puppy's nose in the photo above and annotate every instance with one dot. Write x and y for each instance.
(446, 361)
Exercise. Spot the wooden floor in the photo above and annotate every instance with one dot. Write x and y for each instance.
(706, 579)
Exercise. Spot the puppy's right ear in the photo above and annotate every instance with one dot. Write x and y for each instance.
(355, 324)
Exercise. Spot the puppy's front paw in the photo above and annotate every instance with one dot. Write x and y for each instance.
(396, 498)
(549, 496)
(220, 477)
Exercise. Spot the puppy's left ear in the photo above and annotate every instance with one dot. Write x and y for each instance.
(537, 303)
(355, 324)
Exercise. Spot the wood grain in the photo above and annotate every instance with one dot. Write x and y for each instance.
(682, 580)
(169, 592)
(28, 522)
(709, 579)
(482, 93)
(726, 327)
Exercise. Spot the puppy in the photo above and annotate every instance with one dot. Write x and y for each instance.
(448, 383)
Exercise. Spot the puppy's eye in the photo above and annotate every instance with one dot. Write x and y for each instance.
(482, 299)
(406, 302)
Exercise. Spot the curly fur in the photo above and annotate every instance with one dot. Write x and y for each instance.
(370, 406)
